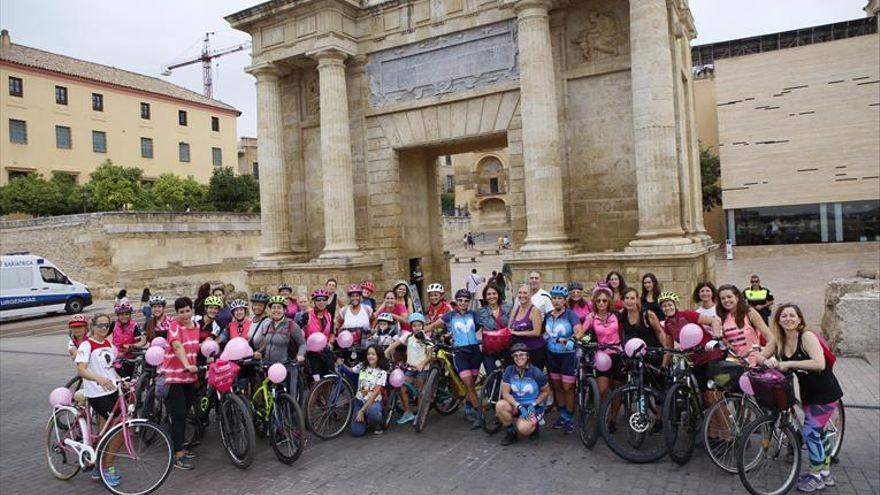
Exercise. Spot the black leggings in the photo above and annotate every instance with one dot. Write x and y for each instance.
(321, 363)
(180, 398)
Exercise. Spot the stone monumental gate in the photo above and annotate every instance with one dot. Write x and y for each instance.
(592, 98)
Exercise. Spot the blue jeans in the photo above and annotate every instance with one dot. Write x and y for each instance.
(373, 415)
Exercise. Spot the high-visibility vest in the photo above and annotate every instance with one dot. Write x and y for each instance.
(756, 295)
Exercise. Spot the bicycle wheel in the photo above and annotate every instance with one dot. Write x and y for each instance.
(724, 423)
(429, 391)
(589, 403)
(680, 423)
(331, 406)
(489, 396)
(389, 408)
(63, 460)
(638, 436)
(772, 448)
(288, 430)
(141, 454)
(74, 384)
(445, 401)
(237, 430)
(834, 431)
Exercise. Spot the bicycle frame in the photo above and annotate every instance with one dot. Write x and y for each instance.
(445, 358)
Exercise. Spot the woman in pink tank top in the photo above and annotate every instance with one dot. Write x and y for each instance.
(743, 328)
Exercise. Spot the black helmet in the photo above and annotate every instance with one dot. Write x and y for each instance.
(575, 285)
(259, 297)
(519, 347)
(462, 294)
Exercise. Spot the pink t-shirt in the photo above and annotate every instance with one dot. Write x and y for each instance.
(607, 330)
(174, 370)
(400, 310)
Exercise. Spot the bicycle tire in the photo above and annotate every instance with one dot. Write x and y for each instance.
(679, 425)
(235, 420)
(638, 454)
(426, 400)
(762, 426)
(63, 424)
(389, 408)
(737, 411)
(448, 402)
(288, 425)
(589, 408)
(319, 412)
(840, 429)
(140, 428)
(489, 396)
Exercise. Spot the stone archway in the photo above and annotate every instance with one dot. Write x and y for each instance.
(493, 213)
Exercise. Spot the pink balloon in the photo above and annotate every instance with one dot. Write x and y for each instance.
(236, 349)
(316, 342)
(154, 356)
(159, 342)
(634, 346)
(61, 396)
(691, 336)
(210, 348)
(397, 378)
(745, 384)
(277, 373)
(345, 339)
(602, 361)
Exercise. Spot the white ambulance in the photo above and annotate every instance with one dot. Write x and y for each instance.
(32, 285)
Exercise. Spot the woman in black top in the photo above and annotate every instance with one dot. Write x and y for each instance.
(801, 351)
(635, 322)
(650, 293)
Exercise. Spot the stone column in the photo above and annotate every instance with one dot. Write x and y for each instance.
(654, 126)
(336, 165)
(694, 146)
(545, 218)
(274, 216)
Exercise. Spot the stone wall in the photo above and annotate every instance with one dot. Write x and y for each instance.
(168, 252)
(851, 322)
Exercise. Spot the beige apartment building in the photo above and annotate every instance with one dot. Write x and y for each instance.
(59, 114)
(795, 120)
(481, 187)
(247, 157)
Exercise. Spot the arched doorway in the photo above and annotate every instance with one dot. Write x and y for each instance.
(493, 214)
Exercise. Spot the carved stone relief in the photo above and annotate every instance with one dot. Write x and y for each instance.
(597, 35)
(311, 106)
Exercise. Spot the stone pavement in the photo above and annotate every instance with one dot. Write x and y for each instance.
(447, 457)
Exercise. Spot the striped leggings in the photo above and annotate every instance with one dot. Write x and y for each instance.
(816, 416)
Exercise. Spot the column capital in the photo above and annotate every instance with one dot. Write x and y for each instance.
(530, 8)
(264, 72)
(330, 56)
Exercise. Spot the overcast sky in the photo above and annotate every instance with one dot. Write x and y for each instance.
(145, 36)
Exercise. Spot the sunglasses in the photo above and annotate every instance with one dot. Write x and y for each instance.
(320, 299)
(520, 354)
(601, 301)
(462, 299)
(102, 325)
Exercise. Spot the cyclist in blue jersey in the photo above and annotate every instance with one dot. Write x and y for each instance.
(524, 388)
(561, 326)
(462, 325)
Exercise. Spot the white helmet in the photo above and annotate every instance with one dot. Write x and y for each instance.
(436, 288)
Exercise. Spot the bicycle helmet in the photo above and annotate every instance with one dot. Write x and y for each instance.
(259, 297)
(603, 287)
(285, 286)
(668, 296)
(575, 285)
(122, 308)
(385, 317)
(282, 300)
(77, 320)
(355, 289)
(558, 290)
(367, 285)
(157, 301)
(238, 303)
(436, 288)
(519, 347)
(416, 317)
(320, 293)
(462, 294)
(213, 301)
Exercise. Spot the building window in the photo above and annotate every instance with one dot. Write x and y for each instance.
(97, 102)
(62, 137)
(146, 147)
(145, 111)
(99, 141)
(448, 161)
(797, 224)
(215, 124)
(217, 157)
(256, 170)
(181, 117)
(450, 183)
(17, 174)
(17, 131)
(860, 221)
(183, 152)
(16, 87)
(61, 95)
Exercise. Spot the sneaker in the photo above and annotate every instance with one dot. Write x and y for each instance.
(509, 438)
(810, 482)
(568, 427)
(478, 423)
(95, 474)
(827, 478)
(189, 455)
(559, 424)
(378, 431)
(182, 464)
(111, 477)
(468, 412)
(407, 417)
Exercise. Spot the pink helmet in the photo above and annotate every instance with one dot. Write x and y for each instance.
(368, 285)
(319, 293)
(123, 308)
(602, 287)
(355, 289)
(77, 320)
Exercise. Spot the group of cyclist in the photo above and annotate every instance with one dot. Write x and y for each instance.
(544, 327)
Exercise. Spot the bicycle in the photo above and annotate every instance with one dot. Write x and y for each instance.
(587, 393)
(137, 449)
(636, 408)
(236, 424)
(443, 389)
(277, 415)
(683, 408)
(331, 403)
(490, 394)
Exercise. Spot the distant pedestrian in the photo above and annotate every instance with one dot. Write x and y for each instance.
(146, 310)
(465, 241)
(121, 298)
(472, 284)
(203, 292)
(760, 298)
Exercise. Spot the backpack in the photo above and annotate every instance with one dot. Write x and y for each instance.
(830, 358)
(222, 374)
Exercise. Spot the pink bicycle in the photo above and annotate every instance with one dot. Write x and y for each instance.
(138, 450)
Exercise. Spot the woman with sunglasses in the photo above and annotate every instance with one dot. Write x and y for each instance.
(524, 388)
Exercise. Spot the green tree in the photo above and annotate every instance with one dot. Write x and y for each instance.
(111, 187)
(447, 203)
(710, 175)
(228, 192)
(30, 194)
(173, 193)
(71, 198)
